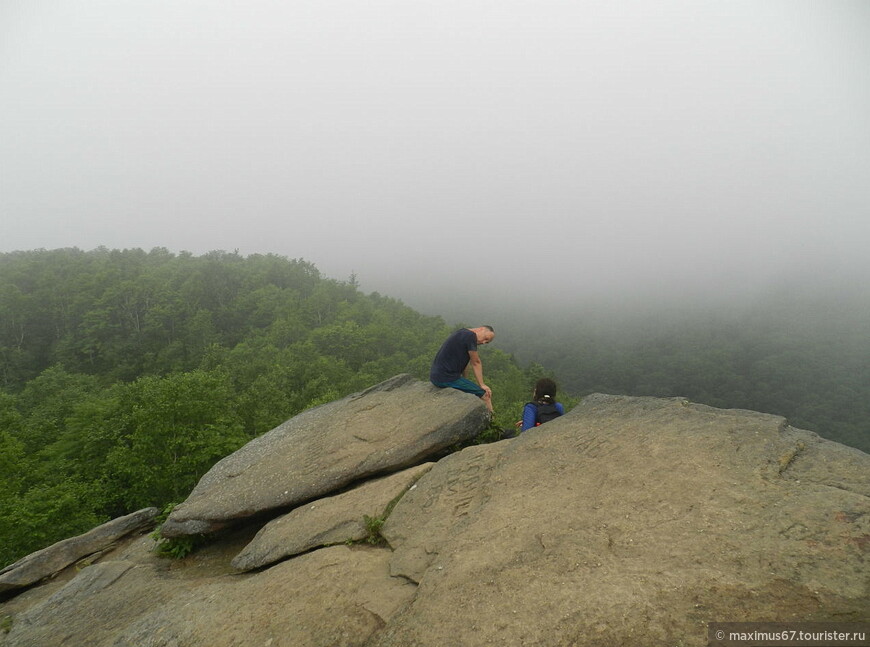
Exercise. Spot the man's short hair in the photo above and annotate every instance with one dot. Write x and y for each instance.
(489, 328)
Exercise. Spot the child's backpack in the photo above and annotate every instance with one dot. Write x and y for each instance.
(546, 411)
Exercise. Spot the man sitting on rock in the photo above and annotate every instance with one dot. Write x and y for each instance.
(451, 362)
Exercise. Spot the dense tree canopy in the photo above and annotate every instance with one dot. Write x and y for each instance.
(124, 375)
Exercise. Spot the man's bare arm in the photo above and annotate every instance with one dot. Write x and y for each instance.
(477, 367)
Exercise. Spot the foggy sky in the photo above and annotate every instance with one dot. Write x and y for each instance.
(490, 148)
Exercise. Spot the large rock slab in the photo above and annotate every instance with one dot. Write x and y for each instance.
(387, 427)
(332, 520)
(55, 558)
(92, 608)
(332, 597)
(632, 521)
(628, 521)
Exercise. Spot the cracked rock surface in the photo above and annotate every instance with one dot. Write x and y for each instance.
(632, 521)
(628, 521)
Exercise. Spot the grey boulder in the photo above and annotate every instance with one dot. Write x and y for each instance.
(388, 427)
(331, 520)
(55, 558)
(632, 521)
(335, 596)
(626, 522)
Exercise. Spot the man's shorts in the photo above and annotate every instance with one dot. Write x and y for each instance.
(463, 384)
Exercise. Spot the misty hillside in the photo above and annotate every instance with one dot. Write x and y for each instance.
(802, 352)
(124, 375)
(799, 348)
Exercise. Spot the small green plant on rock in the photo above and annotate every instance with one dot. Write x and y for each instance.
(177, 547)
(491, 434)
(373, 528)
(789, 457)
(173, 547)
(374, 525)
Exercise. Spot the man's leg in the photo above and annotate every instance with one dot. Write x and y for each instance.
(467, 386)
(487, 400)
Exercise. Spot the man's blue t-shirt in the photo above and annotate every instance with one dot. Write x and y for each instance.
(452, 357)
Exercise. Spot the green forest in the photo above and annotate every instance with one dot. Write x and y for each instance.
(125, 375)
